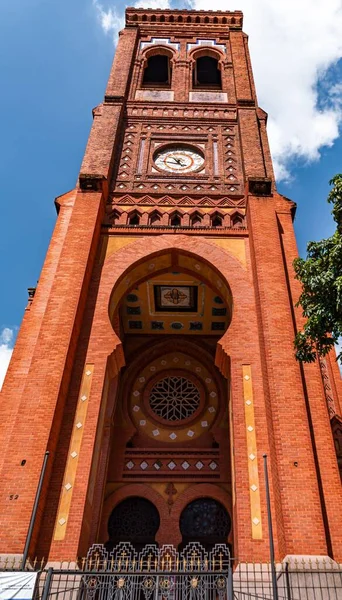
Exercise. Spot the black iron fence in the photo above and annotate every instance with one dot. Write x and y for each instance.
(295, 580)
(193, 574)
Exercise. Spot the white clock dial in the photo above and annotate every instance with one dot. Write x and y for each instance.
(179, 159)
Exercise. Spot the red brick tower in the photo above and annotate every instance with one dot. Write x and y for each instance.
(155, 361)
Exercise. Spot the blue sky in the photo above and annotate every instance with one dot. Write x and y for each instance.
(54, 61)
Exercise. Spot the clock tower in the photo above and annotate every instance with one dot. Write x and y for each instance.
(155, 360)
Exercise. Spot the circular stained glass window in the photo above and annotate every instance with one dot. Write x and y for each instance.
(174, 398)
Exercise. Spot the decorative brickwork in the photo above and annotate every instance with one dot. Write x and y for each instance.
(171, 262)
(329, 395)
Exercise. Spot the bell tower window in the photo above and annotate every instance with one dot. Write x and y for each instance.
(157, 71)
(207, 73)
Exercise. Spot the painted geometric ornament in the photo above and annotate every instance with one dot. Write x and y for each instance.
(174, 399)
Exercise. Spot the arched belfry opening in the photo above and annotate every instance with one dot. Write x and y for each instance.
(157, 71)
(207, 73)
(169, 423)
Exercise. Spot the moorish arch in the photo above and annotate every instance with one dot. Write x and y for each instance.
(123, 357)
(169, 309)
(226, 259)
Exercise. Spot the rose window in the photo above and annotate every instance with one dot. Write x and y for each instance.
(174, 398)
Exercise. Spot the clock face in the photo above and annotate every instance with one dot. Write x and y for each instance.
(179, 159)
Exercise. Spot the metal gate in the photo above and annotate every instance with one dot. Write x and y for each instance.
(152, 574)
(193, 574)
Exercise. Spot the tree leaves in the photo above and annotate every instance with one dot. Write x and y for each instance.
(321, 277)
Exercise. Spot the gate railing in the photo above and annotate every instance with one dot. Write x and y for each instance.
(193, 574)
(152, 574)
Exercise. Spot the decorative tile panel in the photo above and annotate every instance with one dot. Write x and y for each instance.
(252, 453)
(73, 456)
(160, 42)
(212, 43)
(177, 464)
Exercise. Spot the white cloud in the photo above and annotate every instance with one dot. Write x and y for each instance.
(292, 46)
(112, 20)
(6, 349)
(152, 4)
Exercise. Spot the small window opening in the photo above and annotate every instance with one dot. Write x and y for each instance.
(189, 19)
(175, 220)
(157, 71)
(196, 220)
(155, 218)
(216, 221)
(207, 73)
(162, 18)
(197, 20)
(134, 219)
(153, 18)
(116, 217)
(237, 221)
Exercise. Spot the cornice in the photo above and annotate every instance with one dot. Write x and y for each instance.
(141, 110)
(162, 229)
(192, 19)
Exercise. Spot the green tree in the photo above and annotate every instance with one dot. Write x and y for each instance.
(321, 277)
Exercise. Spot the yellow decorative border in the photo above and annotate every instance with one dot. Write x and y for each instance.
(73, 455)
(253, 474)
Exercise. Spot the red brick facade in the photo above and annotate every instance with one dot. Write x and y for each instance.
(77, 367)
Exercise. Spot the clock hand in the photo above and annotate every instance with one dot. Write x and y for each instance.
(180, 162)
(174, 160)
